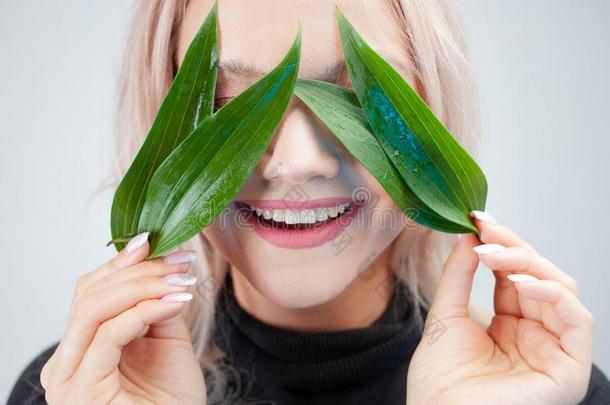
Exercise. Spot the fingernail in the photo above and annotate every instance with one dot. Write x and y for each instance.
(489, 248)
(521, 278)
(483, 216)
(182, 256)
(180, 279)
(136, 242)
(177, 297)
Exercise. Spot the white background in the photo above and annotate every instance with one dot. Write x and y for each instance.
(543, 70)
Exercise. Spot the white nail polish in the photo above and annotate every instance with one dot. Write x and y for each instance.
(177, 297)
(521, 278)
(136, 242)
(180, 279)
(484, 216)
(180, 257)
(489, 248)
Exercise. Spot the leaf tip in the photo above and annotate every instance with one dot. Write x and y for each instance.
(346, 30)
(297, 39)
(338, 12)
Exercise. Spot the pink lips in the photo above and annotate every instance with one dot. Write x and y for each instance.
(299, 238)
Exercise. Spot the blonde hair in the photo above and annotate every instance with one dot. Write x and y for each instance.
(435, 45)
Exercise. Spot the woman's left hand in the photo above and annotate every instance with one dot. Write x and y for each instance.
(538, 347)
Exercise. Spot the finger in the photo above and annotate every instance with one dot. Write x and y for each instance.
(177, 262)
(104, 353)
(506, 297)
(97, 308)
(171, 328)
(576, 338)
(136, 251)
(493, 232)
(453, 292)
(522, 260)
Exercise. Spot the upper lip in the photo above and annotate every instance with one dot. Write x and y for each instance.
(297, 204)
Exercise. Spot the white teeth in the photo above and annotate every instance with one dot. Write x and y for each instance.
(308, 216)
(278, 215)
(301, 216)
(321, 214)
(291, 217)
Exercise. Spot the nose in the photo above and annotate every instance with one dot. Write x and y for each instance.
(300, 150)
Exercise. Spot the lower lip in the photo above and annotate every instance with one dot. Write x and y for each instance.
(300, 238)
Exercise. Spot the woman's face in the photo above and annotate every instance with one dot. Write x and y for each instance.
(305, 175)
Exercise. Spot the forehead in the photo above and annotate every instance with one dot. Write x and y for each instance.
(260, 32)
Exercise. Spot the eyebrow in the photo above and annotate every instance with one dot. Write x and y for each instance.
(329, 73)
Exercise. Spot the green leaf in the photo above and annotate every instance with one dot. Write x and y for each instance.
(433, 164)
(205, 172)
(188, 102)
(338, 108)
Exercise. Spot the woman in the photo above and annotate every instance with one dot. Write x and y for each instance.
(283, 316)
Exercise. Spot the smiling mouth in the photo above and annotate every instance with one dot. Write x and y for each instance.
(299, 224)
(296, 218)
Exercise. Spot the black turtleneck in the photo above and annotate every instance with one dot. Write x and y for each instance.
(356, 366)
(266, 365)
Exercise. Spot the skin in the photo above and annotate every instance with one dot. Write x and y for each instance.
(124, 344)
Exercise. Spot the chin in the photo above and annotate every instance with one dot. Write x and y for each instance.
(300, 286)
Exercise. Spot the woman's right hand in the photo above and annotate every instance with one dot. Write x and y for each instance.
(125, 341)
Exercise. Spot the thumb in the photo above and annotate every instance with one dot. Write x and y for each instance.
(172, 328)
(453, 291)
